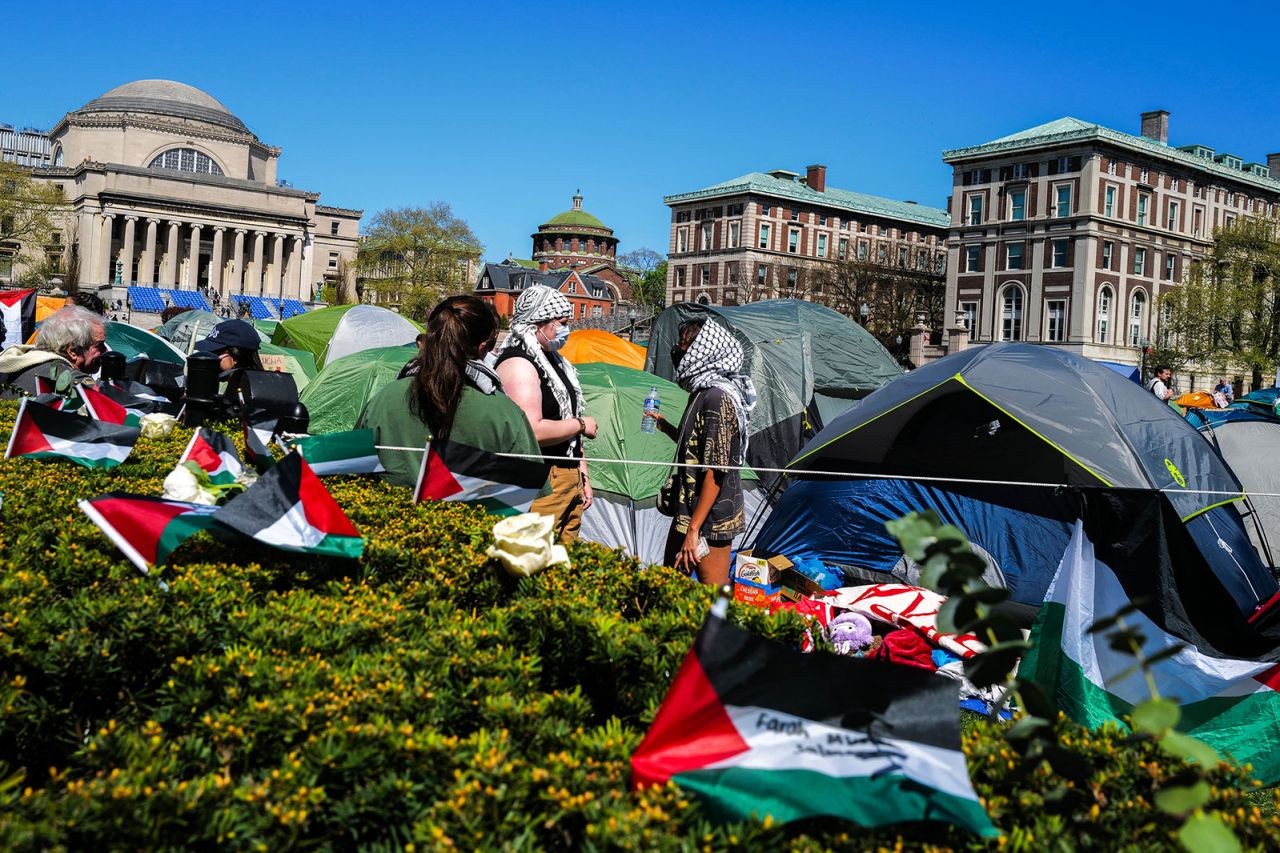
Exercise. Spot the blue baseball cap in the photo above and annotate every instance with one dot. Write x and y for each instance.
(230, 333)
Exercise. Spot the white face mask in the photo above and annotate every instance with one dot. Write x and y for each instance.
(562, 335)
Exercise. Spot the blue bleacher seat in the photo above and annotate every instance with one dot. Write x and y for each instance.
(187, 299)
(291, 308)
(147, 299)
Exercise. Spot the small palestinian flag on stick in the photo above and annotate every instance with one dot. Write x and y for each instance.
(289, 508)
(43, 432)
(17, 315)
(102, 408)
(45, 385)
(137, 398)
(350, 452)
(754, 727)
(147, 529)
(216, 454)
(457, 472)
(257, 441)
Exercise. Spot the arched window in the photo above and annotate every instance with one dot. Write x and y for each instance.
(57, 155)
(1137, 317)
(1011, 313)
(186, 160)
(1104, 315)
(703, 299)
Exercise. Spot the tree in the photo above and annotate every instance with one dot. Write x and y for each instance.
(895, 296)
(30, 211)
(647, 272)
(1226, 313)
(416, 255)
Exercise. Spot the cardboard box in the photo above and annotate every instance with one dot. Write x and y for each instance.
(765, 571)
(755, 594)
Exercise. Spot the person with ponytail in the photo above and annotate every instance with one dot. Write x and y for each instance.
(453, 394)
(544, 384)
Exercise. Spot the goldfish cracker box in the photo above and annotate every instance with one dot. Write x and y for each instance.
(763, 571)
(755, 594)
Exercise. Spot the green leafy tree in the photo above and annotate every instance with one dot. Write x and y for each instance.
(1226, 313)
(415, 255)
(647, 272)
(30, 211)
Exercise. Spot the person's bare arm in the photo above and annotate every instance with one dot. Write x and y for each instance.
(520, 382)
(707, 494)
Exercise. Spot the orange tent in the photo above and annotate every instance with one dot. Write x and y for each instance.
(590, 345)
(1196, 400)
(46, 305)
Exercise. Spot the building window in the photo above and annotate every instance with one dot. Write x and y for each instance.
(882, 254)
(1173, 215)
(793, 276)
(1019, 171)
(682, 240)
(822, 220)
(1170, 263)
(795, 215)
(572, 288)
(1137, 317)
(733, 210)
(972, 258)
(597, 310)
(1111, 167)
(1011, 313)
(333, 260)
(704, 275)
(1014, 257)
(186, 160)
(1055, 330)
(1107, 248)
(766, 210)
(1104, 314)
(844, 248)
(705, 244)
(731, 273)
(1109, 205)
(862, 250)
(1173, 184)
(764, 236)
(902, 256)
(1063, 200)
(734, 228)
(1018, 205)
(822, 245)
(333, 229)
(793, 240)
(940, 263)
(679, 276)
(975, 210)
(762, 275)
(682, 216)
(1060, 249)
(1139, 261)
(1197, 221)
(970, 312)
(1144, 178)
(1143, 200)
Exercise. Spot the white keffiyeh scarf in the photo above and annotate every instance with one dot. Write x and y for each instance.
(536, 305)
(714, 360)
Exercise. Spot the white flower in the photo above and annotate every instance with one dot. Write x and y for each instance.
(525, 544)
(182, 485)
(157, 425)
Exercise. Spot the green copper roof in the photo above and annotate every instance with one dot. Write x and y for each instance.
(1072, 130)
(578, 219)
(759, 182)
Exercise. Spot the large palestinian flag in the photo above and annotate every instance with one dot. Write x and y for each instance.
(138, 399)
(216, 454)
(147, 529)
(350, 452)
(43, 432)
(289, 508)
(1228, 702)
(17, 315)
(452, 471)
(102, 408)
(754, 727)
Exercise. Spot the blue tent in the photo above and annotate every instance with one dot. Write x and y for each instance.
(1128, 371)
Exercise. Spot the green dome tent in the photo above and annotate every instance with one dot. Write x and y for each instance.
(331, 333)
(134, 342)
(624, 513)
(337, 395)
(190, 326)
(299, 363)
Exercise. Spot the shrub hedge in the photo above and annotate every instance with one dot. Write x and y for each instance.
(415, 699)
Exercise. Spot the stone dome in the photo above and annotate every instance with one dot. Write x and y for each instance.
(166, 98)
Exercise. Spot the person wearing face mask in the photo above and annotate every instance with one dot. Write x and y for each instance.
(452, 395)
(545, 386)
(705, 500)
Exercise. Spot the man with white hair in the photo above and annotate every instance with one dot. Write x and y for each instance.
(72, 339)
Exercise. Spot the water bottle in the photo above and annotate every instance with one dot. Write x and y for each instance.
(652, 405)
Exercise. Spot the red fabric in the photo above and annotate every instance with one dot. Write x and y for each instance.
(907, 648)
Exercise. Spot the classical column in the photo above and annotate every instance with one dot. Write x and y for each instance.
(236, 285)
(104, 248)
(193, 264)
(169, 272)
(258, 249)
(126, 259)
(276, 277)
(147, 272)
(215, 262)
(295, 268)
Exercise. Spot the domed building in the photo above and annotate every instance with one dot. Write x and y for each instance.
(168, 188)
(576, 240)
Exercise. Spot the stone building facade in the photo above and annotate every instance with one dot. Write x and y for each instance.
(166, 187)
(763, 235)
(576, 240)
(1065, 234)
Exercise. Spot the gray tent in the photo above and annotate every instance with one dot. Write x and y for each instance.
(1250, 444)
(808, 362)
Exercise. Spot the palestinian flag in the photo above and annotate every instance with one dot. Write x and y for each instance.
(754, 727)
(257, 443)
(102, 408)
(289, 508)
(147, 529)
(17, 315)
(350, 452)
(216, 454)
(45, 385)
(1228, 702)
(137, 399)
(41, 431)
(458, 472)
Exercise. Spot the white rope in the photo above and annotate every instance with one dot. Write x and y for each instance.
(852, 475)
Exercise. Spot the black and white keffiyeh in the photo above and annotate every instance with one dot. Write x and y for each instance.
(714, 360)
(539, 304)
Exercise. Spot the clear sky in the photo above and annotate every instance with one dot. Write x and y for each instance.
(503, 109)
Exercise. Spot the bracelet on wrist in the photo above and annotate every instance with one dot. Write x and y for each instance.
(582, 424)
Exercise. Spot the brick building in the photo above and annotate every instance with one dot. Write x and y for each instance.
(1066, 233)
(500, 285)
(576, 240)
(763, 235)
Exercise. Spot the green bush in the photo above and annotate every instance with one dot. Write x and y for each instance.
(415, 699)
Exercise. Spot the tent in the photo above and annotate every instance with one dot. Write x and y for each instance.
(296, 362)
(1128, 371)
(624, 513)
(808, 362)
(593, 345)
(1011, 414)
(188, 327)
(46, 305)
(184, 330)
(331, 333)
(1262, 400)
(1250, 444)
(134, 342)
(337, 395)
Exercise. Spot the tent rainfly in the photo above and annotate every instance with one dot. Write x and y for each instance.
(331, 333)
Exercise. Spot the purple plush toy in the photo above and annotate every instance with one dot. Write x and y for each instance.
(850, 633)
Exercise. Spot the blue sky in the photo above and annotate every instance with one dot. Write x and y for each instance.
(504, 109)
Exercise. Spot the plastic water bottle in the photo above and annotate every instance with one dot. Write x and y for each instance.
(652, 405)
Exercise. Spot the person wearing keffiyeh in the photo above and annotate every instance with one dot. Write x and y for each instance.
(705, 502)
(545, 386)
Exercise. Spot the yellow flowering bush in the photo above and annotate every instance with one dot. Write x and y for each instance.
(417, 699)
